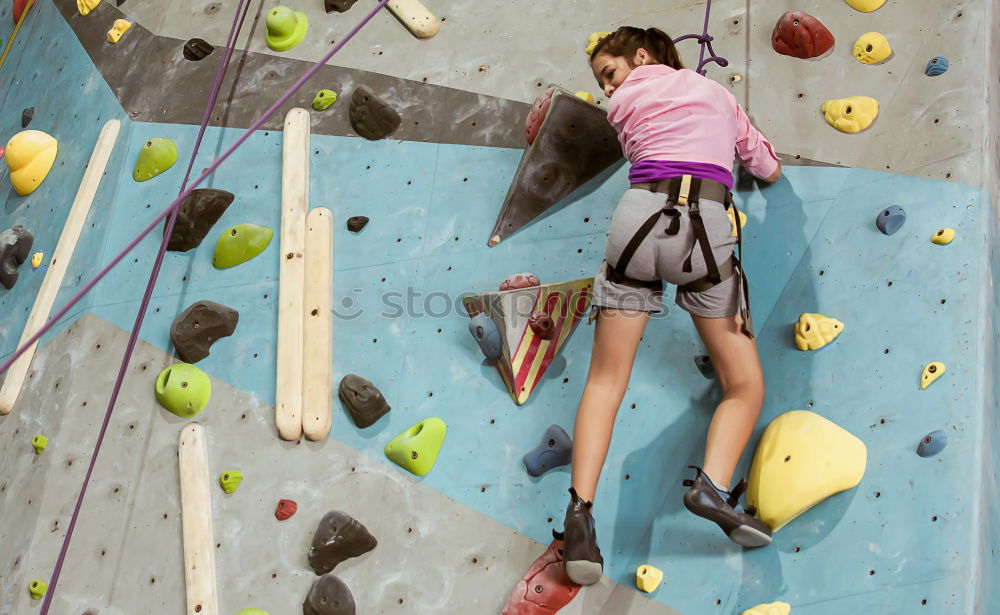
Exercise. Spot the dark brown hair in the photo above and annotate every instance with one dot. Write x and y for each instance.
(627, 40)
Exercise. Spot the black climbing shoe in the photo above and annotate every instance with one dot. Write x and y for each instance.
(739, 523)
(581, 556)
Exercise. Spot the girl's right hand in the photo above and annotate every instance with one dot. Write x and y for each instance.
(774, 176)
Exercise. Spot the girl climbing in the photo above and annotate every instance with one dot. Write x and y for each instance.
(680, 131)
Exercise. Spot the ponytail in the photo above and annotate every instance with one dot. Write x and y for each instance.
(627, 40)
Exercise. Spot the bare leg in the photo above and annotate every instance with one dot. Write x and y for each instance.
(616, 339)
(737, 364)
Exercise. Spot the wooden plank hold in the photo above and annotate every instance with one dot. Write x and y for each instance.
(294, 205)
(196, 520)
(415, 16)
(317, 355)
(61, 258)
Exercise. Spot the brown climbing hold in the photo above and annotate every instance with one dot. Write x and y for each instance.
(198, 327)
(537, 113)
(195, 217)
(338, 5)
(372, 117)
(800, 35)
(338, 537)
(285, 509)
(329, 596)
(363, 400)
(356, 223)
(541, 324)
(15, 245)
(197, 49)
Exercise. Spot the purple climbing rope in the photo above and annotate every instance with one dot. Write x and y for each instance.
(171, 211)
(704, 40)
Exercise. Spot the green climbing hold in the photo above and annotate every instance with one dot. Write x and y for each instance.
(239, 244)
(39, 442)
(156, 156)
(253, 612)
(230, 480)
(183, 389)
(323, 100)
(285, 28)
(37, 589)
(417, 448)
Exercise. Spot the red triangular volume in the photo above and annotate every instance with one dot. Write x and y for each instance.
(525, 355)
(19, 8)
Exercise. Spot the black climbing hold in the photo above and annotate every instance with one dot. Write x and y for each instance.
(338, 5)
(554, 451)
(704, 364)
(932, 444)
(372, 117)
(356, 223)
(197, 49)
(199, 211)
(328, 596)
(198, 327)
(119, 2)
(363, 400)
(15, 244)
(890, 219)
(338, 537)
(26, 116)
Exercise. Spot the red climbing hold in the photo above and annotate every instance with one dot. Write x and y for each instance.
(519, 280)
(537, 114)
(285, 509)
(545, 588)
(19, 7)
(800, 35)
(541, 324)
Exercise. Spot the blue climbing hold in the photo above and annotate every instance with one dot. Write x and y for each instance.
(554, 451)
(936, 66)
(485, 331)
(704, 364)
(890, 219)
(932, 444)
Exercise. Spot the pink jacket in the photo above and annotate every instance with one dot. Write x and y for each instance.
(662, 113)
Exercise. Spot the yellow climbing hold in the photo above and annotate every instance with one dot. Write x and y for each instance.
(594, 39)
(865, 6)
(36, 260)
(774, 608)
(852, 114)
(116, 31)
(943, 237)
(871, 48)
(648, 578)
(932, 371)
(587, 96)
(801, 460)
(732, 219)
(813, 331)
(86, 6)
(29, 155)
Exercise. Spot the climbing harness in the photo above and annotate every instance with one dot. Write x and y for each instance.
(686, 191)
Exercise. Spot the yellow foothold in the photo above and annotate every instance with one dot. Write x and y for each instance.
(865, 6)
(29, 155)
(813, 331)
(86, 6)
(732, 220)
(852, 114)
(774, 608)
(801, 460)
(594, 39)
(36, 260)
(871, 48)
(943, 237)
(115, 33)
(932, 371)
(648, 578)
(587, 96)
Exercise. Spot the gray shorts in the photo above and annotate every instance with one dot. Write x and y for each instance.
(660, 257)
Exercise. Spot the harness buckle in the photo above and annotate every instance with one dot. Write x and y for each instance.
(685, 190)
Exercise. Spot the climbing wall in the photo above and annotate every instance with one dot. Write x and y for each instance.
(916, 533)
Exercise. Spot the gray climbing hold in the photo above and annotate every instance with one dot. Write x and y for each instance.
(932, 444)
(338, 5)
(199, 211)
(338, 537)
(890, 219)
(704, 364)
(363, 400)
(15, 245)
(197, 49)
(199, 326)
(372, 117)
(554, 451)
(486, 334)
(26, 116)
(936, 66)
(328, 596)
(356, 223)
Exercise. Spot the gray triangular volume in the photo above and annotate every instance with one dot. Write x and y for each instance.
(574, 144)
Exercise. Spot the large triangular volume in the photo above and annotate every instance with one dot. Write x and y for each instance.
(570, 143)
(525, 355)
